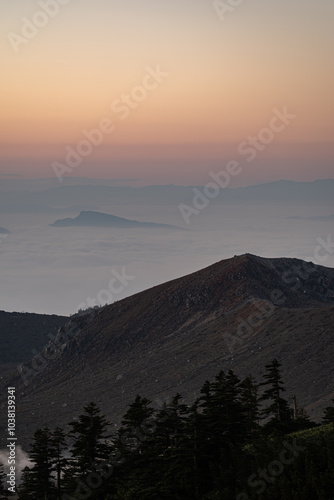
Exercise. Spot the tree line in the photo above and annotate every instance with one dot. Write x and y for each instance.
(239, 440)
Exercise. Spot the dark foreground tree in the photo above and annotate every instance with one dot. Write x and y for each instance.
(26, 488)
(89, 452)
(4, 493)
(211, 450)
(278, 408)
(328, 417)
(135, 472)
(38, 481)
(250, 400)
(59, 462)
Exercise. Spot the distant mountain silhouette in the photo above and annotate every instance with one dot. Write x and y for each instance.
(4, 231)
(238, 314)
(315, 217)
(56, 199)
(99, 219)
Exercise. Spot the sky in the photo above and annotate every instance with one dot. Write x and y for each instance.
(168, 90)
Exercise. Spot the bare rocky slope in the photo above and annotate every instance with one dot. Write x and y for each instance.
(237, 314)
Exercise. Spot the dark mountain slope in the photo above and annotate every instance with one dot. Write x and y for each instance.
(23, 334)
(239, 313)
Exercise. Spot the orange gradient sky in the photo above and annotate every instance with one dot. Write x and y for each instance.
(225, 78)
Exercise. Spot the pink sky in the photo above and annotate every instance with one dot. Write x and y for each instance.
(222, 81)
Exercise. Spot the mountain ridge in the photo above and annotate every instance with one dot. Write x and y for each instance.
(239, 313)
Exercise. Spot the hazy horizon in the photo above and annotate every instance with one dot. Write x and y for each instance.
(56, 270)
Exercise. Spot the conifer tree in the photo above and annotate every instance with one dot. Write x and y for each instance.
(174, 444)
(278, 407)
(135, 425)
(89, 441)
(223, 413)
(328, 417)
(131, 444)
(26, 488)
(191, 445)
(250, 400)
(3, 489)
(38, 481)
(170, 423)
(302, 421)
(59, 462)
(90, 450)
